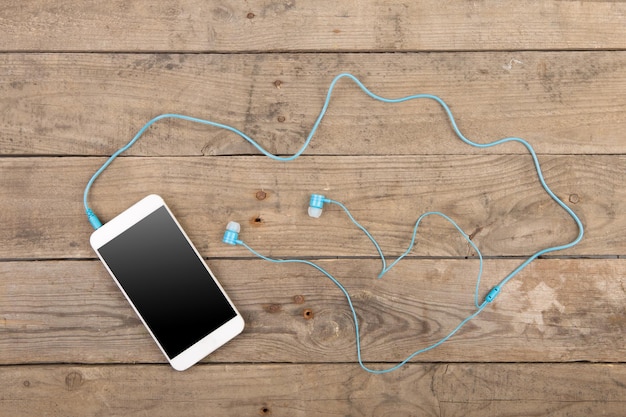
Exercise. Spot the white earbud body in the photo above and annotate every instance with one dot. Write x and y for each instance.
(231, 235)
(315, 212)
(316, 203)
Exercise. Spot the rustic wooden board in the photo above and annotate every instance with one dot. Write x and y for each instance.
(92, 104)
(289, 25)
(510, 216)
(314, 390)
(79, 79)
(71, 311)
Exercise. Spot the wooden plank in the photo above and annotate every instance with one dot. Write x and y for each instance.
(70, 343)
(287, 25)
(72, 312)
(510, 216)
(92, 104)
(314, 390)
(527, 389)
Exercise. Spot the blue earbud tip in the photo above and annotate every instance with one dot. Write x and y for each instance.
(317, 201)
(231, 235)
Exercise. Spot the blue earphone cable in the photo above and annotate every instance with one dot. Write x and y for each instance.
(96, 223)
(385, 270)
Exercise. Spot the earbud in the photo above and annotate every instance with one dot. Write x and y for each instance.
(231, 235)
(315, 205)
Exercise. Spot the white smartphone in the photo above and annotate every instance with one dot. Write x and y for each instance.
(167, 282)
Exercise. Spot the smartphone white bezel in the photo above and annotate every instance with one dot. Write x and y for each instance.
(208, 343)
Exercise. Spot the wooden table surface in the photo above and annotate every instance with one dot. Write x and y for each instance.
(79, 79)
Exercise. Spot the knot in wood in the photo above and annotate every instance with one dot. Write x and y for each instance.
(73, 380)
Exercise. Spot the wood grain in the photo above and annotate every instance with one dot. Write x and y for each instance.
(314, 390)
(79, 79)
(92, 104)
(510, 216)
(324, 25)
(71, 311)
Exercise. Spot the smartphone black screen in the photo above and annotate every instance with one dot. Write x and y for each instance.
(167, 282)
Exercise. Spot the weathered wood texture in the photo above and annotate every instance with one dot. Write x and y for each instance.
(290, 25)
(79, 79)
(71, 311)
(92, 104)
(451, 390)
(495, 198)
